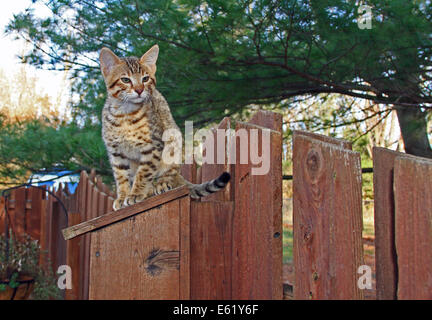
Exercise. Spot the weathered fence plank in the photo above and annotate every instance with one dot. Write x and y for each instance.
(2, 216)
(413, 205)
(185, 249)
(18, 216)
(327, 214)
(344, 144)
(73, 261)
(82, 194)
(88, 216)
(257, 223)
(145, 250)
(211, 241)
(189, 172)
(45, 226)
(115, 216)
(59, 222)
(384, 221)
(34, 215)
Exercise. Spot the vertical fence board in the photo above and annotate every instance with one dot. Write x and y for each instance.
(49, 223)
(384, 222)
(59, 219)
(337, 142)
(138, 257)
(273, 121)
(73, 260)
(86, 255)
(2, 216)
(327, 213)
(257, 224)
(44, 242)
(185, 248)
(110, 202)
(10, 206)
(267, 119)
(189, 172)
(413, 204)
(95, 202)
(102, 208)
(211, 234)
(19, 216)
(82, 190)
(34, 216)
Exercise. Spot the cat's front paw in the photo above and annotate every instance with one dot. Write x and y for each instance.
(132, 199)
(118, 204)
(162, 187)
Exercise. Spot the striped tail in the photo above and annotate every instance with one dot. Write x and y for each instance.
(209, 187)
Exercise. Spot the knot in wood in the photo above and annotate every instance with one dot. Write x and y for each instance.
(307, 236)
(313, 164)
(306, 230)
(159, 260)
(313, 161)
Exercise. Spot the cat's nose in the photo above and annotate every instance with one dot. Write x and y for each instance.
(139, 90)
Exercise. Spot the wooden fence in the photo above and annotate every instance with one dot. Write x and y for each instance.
(225, 246)
(39, 214)
(231, 241)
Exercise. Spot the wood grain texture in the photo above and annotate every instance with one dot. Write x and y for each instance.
(211, 256)
(18, 215)
(413, 205)
(2, 216)
(384, 223)
(44, 242)
(344, 144)
(267, 119)
(257, 223)
(84, 255)
(185, 248)
(58, 222)
(189, 172)
(138, 257)
(114, 216)
(273, 121)
(73, 261)
(87, 237)
(327, 214)
(33, 217)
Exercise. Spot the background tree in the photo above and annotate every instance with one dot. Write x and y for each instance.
(219, 57)
(36, 135)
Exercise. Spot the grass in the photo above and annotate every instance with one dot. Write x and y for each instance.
(287, 243)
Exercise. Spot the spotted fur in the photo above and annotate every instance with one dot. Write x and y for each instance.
(134, 118)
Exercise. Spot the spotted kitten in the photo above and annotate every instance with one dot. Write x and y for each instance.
(134, 118)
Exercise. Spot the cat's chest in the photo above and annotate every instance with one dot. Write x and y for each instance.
(130, 131)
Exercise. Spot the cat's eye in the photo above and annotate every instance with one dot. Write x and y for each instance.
(145, 78)
(125, 80)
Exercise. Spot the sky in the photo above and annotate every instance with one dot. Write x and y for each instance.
(50, 82)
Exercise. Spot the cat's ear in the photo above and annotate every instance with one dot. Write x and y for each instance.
(150, 57)
(108, 60)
